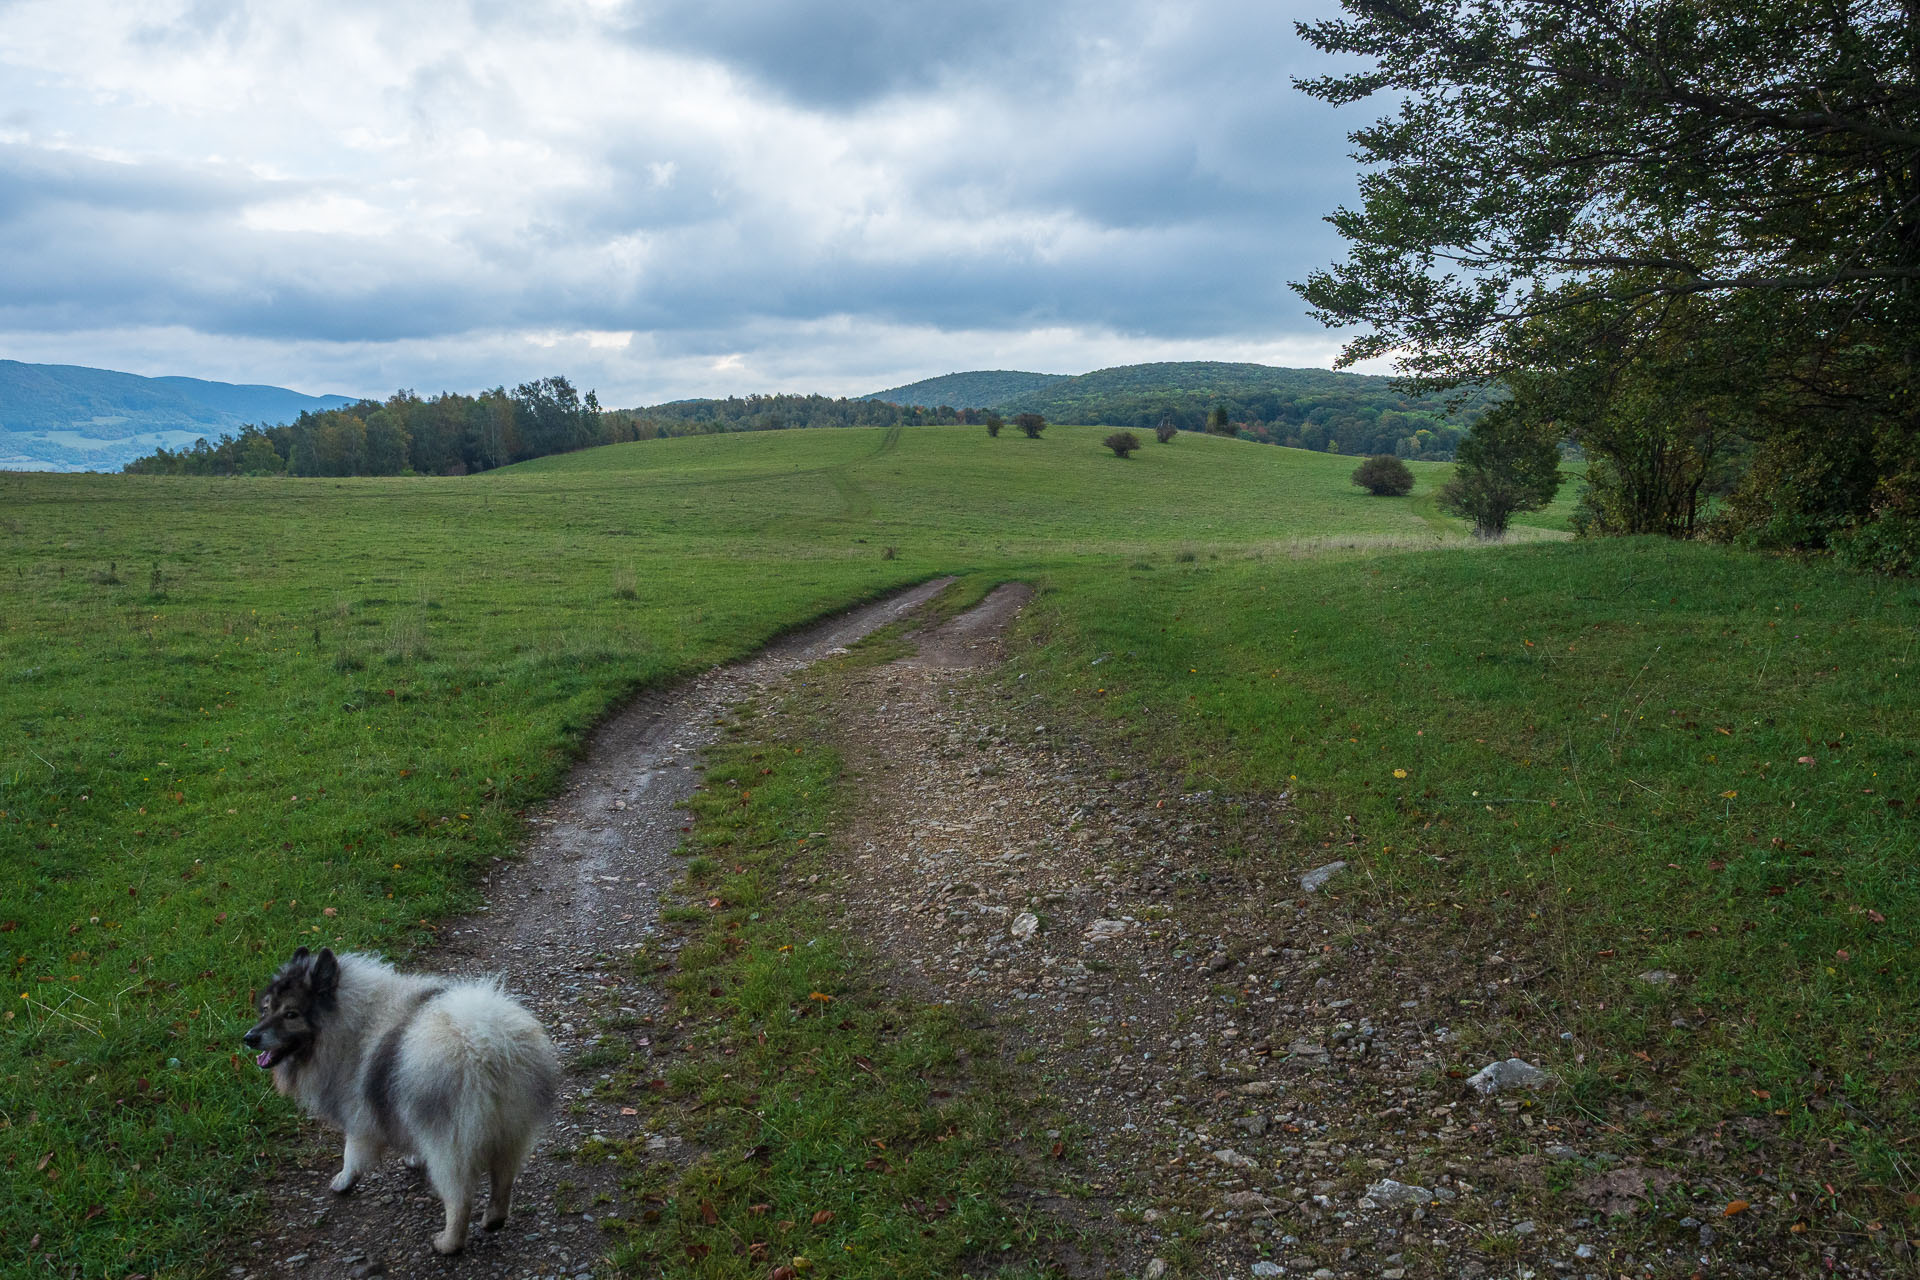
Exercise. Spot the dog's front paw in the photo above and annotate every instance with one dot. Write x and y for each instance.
(494, 1224)
(446, 1242)
(343, 1181)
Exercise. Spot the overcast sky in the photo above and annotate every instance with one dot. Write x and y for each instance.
(659, 198)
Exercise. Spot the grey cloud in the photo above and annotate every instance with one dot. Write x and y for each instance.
(1172, 185)
(839, 54)
(32, 178)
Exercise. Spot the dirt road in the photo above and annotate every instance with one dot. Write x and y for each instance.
(558, 927)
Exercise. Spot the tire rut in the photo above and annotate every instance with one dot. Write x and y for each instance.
(559, 926)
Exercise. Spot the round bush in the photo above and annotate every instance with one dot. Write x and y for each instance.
(1385, 476)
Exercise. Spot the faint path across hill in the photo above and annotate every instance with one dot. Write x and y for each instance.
(560, 926)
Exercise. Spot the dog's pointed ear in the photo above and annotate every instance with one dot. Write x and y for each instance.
(326, 972)
(300, 953)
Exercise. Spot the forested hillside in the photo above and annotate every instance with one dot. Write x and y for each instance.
(1303, 408)
(980, 389)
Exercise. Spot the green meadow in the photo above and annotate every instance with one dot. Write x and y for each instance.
(241, 714)
(1602, 759)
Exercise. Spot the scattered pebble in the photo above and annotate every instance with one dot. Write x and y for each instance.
(1514, 1073)
(1389, 1194)
(1316, 879)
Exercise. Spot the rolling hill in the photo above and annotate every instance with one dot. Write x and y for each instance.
(980, 389)
(1317, 409)
(63, 417)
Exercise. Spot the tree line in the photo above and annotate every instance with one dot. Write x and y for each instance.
(1686, 238)
(1360, 422)
(1301, 408)
(447, 434)
(455, 434)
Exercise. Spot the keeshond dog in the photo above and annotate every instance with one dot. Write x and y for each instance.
(452, 1073)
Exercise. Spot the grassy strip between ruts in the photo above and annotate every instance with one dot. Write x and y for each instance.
(839, 1129)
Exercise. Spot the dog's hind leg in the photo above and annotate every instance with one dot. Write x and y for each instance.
(501, 1197)
(505, 1164)
(454, 1186)
(362, 1154)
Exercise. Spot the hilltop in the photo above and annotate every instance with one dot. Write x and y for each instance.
(1316, 409)
(979, 389)
(64, 417)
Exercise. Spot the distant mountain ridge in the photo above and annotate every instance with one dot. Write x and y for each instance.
(980, 389)
(64, 417)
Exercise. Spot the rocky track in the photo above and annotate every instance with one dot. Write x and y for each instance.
(559, 926)
(1239, 1065)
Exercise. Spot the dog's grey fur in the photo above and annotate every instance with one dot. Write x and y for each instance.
(454, 1074)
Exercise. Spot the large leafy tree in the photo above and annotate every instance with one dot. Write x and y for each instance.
(1705, 146)
(1592, 165)
(551, 418)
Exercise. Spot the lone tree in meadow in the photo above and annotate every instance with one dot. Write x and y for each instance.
(994, 423)
(1166, 431)
(1122, 443)
(1219, 423)
(1031, 423)
(1384, 476)
(1509, 463)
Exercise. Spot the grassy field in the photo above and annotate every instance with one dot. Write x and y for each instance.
(1611, 758)
(247, 713)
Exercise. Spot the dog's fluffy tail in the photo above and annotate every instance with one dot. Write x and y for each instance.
(489, 1082)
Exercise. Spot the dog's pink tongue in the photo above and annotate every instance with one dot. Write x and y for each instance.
(265, 1059)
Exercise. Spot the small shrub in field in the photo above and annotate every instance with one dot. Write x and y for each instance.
(890, 553)
(994, 423)
(1220, 424)
(1031, 423)
(1122, 443)
(1384, 476)
(1166, 431)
